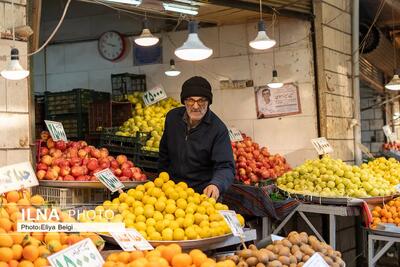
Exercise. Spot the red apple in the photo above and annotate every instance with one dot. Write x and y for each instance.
(104, 153)
(65, 171)
(76, 171)
(51, 174)
(110, 158)
(137, 176)
(125, 165)
(123, 178)
(85, 170)
(47, 159)
(69, 178)
(44, 135)
(104, 163)
(143, 177)
(40, 174)
(92, 164)
(93, 178)
(73, 152)
(127, 172)
(82, 153)
(44, 151)
(75, 161)
(130, 163)
(50, 143)
(114, 164)
(117, 172)
(82, 178)
(82, 144)
(41, 166)
(121, 159)
(95, 153)
(60, 145)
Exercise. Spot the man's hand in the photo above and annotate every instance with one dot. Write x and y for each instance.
(211, 191)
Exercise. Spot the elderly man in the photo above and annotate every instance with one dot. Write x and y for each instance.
(195, 147)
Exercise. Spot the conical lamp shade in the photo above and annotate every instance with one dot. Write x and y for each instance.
(14, 70)
(193, 49)
(262, 41)
(275, 83)
(146, 38)
(172, 70)
(394, 83)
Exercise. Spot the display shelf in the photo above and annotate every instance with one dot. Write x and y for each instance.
(389, 239)
(86, 184)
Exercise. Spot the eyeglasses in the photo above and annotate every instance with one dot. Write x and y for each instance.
(201, 102)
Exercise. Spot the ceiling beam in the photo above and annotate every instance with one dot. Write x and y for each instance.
(255, 7)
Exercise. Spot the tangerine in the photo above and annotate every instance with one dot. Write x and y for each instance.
(41, 262)
(136, 254)
(25, 263)
(6, 254)
(6, 240)
(17, 251)
(181, 260)
(30, 253)
(12, 196)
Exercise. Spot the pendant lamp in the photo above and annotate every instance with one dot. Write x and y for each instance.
(262, 41)
(172, 70)
(146, 38)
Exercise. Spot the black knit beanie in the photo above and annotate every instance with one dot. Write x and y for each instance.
(196, 86)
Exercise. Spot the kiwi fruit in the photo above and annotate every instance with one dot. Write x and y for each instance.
(234, 258)
(270, 247)
(242, 264)
(274, 263)
(286, 243)
(328, 260)
(253, 247)
(252, 261)
(271, 255)
(262, 256)
(293, 259)
(294, 248)
(316, 245)
(260, 264)
(312, 238)
(284, 260)
(284, 251)
(305, 258)
(300, 264)
(303, 237)
(245, 253)
(294, 239)
(277, 242)
(299, 255)
(293, 265)
(307, 250)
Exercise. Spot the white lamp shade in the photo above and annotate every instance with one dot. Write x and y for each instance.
(193, 49)
(262, 41)
(146, 38)
(275, 83)
(14, 70)
(394, 83)
(172, 72)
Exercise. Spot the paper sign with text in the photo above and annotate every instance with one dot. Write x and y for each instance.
(392, 137)
(365, 150)
(83, 253)
(322, 145)
(56, 130)
(17, 176)
(235, 135)
(316, 260)
(130, 240)
(154, 95)
(233, 222)
(276, 238)
(109, 180)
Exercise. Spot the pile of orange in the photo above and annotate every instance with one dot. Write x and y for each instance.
(388, 213)
(19, 249)
(164, 256)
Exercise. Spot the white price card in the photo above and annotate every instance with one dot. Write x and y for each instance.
(235, 135)
(392, 137)
(130, 240)
(17, 176)
(316, 260)
(83, 253)
(233, 222)
(365, 150)
(109, 180)
(56, 130)
(322, 145)
(276, 238)
(154, 95)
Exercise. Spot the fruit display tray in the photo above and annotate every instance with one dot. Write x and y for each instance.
(85, 184)
(383, 230)
(347, 201)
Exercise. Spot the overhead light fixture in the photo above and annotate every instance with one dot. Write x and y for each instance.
(14, 70)
(146, 38)
(184, 9)
(262, 41)
(394, 83)
(129, 2)
(275, 83)
(193, 49)
(172, 70)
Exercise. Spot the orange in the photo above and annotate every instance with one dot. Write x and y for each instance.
(30, 253)
(38, 235)
(209, 263)
(96, 239)
(40, 262)
(17, 251)
(226, 263)
(5, 224)
(112, 257)
(12, 196)
(397, 203)
(54, 246)
(198, 257)
(139, 263)
(13, 263)
(3, 264)
(43, 251)
(109, 264)
(153, 253)
(72, 239)
(5, 240)
(25, 263)
(15, 216)
(63, 238)
(18, 237)
(181, 260)
(52, 236)
(136, 254)
(124, 257)
(37, 200)
(23, 203)
(384, 220)
(160, 247)
(6, 254)
(170, 251)
(375, 213)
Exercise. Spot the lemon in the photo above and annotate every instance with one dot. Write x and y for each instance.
(189, 210)
(190, 199)
(129, 200)
(122, 197)
(140, 218)
(159, 182)
(125, 213)
(139, 211)
(138, 203)
(131, 192)
(167, 234)
(215, 217)
(117, 218)
(210, 211)
(143, 233)
(148, 211)
(201, 210)
(191, 233)
(181, 203)
(115, 201)
(170, 208)
(155, 236)
(188, 222)
(164, 176)
(241, 219)
(219, 206)
(174, 195)
(158, 216)
(140, 226)
(190, 192)
(149, 185)
(180, 221)
(179, 213)
(150, 230)
(198, 218)
(169, 217)
(151, 222)
(204, 223)
(205, 232)
(131, 216)
(160, 206)
(183, 195)
(157, 192)
(182, 185)
(179, 234)
(173, 225)
(128, 221)
(99, 210)
(160, 226)
(122, 207)
(107, 204)
(170, 201)
(162, 199)
(214, 225)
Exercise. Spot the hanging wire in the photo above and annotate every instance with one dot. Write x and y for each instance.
(273, 37)
(260, 9)
(13, 22)
(394, 41)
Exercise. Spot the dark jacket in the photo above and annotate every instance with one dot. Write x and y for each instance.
(199, 156)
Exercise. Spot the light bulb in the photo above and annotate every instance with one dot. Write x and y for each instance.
(172, 71)
(394, 83)
(262, 41)
(146, 38)
(14, 70)
(275, 83)
(193, 49)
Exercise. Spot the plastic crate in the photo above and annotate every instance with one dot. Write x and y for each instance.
(39, 114)
(108, 114)
(75, 125)
(75, 101)
(70, 197)
(123, 84)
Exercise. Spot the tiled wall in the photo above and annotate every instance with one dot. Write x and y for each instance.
(79, 65)
(14, 95)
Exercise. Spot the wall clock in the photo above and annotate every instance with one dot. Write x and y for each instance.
(111, 45)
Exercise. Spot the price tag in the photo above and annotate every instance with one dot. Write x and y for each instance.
(316, 260)
(56, 130)
(235, 135)
(83, 253)
(130, 240)
(154, 95)
(322, 145)
(365, 150)
(109, 180)
(276, 238)
(233, 222)
(17, 176)
(387, 130)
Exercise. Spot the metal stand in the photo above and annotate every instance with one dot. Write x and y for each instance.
(332, 211)
(373, 259)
